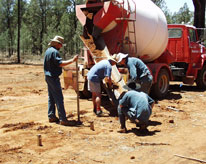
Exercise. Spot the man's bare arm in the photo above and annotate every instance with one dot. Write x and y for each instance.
(67, 62)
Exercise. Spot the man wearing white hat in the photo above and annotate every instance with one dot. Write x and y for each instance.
(97, 73)
(53, 64)
(138, 71)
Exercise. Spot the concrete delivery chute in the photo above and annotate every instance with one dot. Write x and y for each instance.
(140, 30)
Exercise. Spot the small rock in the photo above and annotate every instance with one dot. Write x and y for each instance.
(60, 132)
(132, 157)
(171, 121)
(92, 126)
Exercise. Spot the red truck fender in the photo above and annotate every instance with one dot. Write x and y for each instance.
(155, 69)
(161, 78)
(203, 58)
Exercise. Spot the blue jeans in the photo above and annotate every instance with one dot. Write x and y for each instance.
(55, 97)
(146, 83)
(124, 112)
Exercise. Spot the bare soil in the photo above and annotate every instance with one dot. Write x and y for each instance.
(177, 126)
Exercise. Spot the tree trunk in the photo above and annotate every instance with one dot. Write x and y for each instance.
(42, 26)
(199, 15)
(75, 18)
(9, 29)
(19, 27)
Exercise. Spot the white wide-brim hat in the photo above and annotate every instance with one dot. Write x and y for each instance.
(120, 56)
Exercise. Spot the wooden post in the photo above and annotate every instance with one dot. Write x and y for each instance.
(77, 84)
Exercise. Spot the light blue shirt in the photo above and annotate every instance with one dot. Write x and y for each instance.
(99, 71)
(137, 69)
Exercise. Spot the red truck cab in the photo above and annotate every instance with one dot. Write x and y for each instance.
(185, 58)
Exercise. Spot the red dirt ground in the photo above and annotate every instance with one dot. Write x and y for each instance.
(23, 115)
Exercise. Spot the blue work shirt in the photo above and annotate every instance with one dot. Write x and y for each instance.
(99, 71)
(52, 60)
(138, 104)
(137, 69)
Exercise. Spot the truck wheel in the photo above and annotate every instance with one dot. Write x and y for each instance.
(160, 89)
(85, 94)
(201, 78)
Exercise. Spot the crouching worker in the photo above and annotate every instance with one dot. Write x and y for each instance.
(136, 106)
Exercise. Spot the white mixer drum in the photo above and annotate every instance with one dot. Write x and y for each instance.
(150, 29)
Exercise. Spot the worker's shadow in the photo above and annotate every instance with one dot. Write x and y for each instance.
(185, 88)
(146, 132)
(181, 89)
(73, 123)
(111, 108)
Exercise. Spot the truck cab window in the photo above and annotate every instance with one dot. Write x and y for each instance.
(192, 35)
(174, 33)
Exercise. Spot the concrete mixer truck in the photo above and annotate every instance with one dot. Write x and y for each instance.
(138, 28)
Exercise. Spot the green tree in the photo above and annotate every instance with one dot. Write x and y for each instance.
(32, 20)
(160, 3)
(184, 15)
(7, 24)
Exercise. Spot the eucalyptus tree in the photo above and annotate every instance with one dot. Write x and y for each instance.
(160, 3)
(183, 16)
(7, 25)
(32, 20)
(199, 14)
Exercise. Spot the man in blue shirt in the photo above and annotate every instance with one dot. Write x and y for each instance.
(53, 64)
(97, 73)
(136, 106)
(138, 71)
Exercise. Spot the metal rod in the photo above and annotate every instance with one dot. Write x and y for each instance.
(189, 158)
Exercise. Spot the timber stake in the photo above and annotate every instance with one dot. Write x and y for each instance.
(77, 84)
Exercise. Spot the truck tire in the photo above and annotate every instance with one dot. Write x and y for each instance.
(85, 94)
(160, 89)
(201, 78)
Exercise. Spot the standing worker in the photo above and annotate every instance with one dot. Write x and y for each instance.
(136, 106)
(138, 71)
(53, 64)
(97, 73)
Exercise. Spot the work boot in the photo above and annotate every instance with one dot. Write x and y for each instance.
(99, 113)
(53, 119)
(94, 110)
(143, 126)
(122, 130)
(67, 123)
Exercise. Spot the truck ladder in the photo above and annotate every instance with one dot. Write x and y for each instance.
(130, 30)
